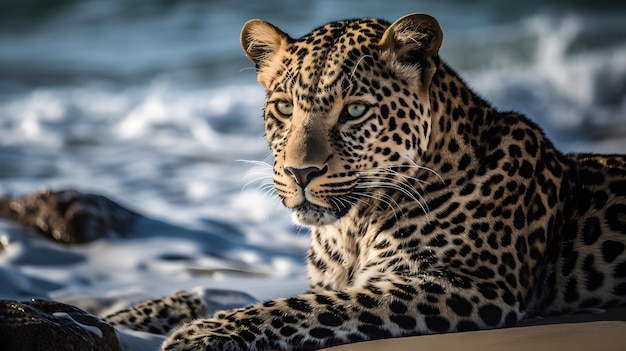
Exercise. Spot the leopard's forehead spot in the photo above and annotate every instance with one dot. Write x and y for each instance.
(325, 62)
(370, 29)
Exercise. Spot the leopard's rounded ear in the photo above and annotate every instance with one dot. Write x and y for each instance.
(261, 39)
(415, 33)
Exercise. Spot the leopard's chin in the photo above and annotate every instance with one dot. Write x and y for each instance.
(309, 214)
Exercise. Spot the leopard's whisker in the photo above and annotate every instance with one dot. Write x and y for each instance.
(401, 189)
(382, 170)
(352, 78)
(339, 203)
(388, 174)
(261, 178)
(386, 199)
(257, 162)
(415, 165)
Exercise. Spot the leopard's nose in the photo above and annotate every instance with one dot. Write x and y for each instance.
(303, 176)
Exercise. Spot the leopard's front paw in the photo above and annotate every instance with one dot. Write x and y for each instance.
(210, 334)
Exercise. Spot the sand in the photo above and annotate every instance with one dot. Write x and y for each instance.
(590, 331)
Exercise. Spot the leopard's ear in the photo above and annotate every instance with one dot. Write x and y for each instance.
(260, 40)
(414, 33)
(413, 41)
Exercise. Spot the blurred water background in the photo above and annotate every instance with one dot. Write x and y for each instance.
(152, 103)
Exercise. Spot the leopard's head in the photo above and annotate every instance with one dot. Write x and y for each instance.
(347, 108)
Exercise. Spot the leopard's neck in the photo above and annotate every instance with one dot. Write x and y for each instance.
(458, 116)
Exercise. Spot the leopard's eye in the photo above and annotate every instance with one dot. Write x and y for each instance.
(285, 108)
(356, 110)
(353, 111)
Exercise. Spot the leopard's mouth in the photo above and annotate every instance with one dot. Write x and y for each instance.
(308, 213)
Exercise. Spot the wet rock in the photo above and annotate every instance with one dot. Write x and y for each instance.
(47, 325)
(69, 216)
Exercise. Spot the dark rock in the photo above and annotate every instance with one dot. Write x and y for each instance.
(46, 325)
(69, 216)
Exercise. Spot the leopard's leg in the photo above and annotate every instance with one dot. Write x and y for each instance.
(327, 318)
(160, 316)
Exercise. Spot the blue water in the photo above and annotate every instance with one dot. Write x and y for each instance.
(153, 104)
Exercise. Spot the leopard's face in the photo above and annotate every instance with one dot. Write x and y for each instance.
(343, 114)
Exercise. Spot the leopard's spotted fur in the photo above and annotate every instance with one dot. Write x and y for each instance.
(430, 211)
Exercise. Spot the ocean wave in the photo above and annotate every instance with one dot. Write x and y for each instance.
(574, 95)
(158, 115)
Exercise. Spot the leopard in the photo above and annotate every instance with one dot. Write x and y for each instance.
(430, 211)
